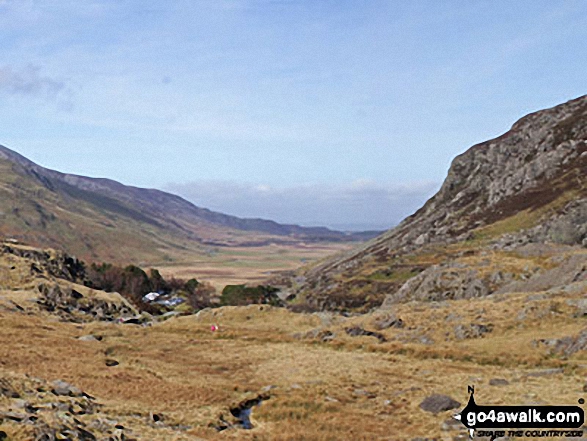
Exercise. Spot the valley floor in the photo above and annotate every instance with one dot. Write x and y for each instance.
(178, 380)
(223, 266)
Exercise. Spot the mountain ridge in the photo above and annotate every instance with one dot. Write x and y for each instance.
(42, 191)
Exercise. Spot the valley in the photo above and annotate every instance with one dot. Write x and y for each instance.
(484, 286)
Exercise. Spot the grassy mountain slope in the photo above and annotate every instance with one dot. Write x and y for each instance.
(103, 219)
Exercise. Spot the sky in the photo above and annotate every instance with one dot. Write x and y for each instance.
(317, 112)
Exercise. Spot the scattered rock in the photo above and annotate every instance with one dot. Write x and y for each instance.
(13, 416)
(364, 393)
(473, 330)
(66, 414)
(7, 389)
(71, 305)
(65, 389)
(156, 417)
(580, 306)
(89, 338)
(357, 331)
(439, 403)
(498, 382)
(324, 335)
(451, 424)
(545, 372)
(567, 346)
(388, 321)
(110, 362)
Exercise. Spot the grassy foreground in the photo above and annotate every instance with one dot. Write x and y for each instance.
(334, 388)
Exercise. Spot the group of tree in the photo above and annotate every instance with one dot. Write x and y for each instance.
(241, 295)
(134, 283)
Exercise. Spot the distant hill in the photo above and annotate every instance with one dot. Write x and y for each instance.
(101, 219)
(507, 201)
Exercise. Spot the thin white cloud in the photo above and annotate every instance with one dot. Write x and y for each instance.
(361, 204)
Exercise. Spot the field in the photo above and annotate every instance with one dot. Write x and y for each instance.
(251, 265)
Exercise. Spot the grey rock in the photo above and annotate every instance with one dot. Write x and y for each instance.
(580, 306)
(364, 393)
(439, 403)
(356, 331)
(388, 321)
(570, 270)
(13, 416)
(65, 389)
(498, 382)
(473, 330)
(88, 338)
(448, 281)
(451, 424)
(545, 372)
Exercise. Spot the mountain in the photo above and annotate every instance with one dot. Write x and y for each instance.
(513, 200)
(101, 219)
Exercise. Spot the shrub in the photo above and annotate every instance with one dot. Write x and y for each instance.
(240, 295)
(199, 295)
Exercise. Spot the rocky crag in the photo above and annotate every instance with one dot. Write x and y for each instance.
(34, 281)
(507, 209)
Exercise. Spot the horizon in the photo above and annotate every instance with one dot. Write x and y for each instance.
(312, 114)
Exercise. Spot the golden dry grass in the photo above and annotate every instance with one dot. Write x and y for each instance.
(223, 266)
(349, 388)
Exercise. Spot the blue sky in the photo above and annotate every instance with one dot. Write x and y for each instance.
(349, 111)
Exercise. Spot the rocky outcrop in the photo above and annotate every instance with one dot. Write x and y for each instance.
(48, 262)
(567, 346)
(36, 409)
(450, 281)
(83, 304)
(50, 281)
(529, 184)
(47, 411)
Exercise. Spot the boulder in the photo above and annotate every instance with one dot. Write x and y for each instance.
(62, 388)
(388, 321)
(439, 403)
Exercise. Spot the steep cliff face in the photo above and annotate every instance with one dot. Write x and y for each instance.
(526, 186)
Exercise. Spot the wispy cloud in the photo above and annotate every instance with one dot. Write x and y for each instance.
(361, 204)
(30, 81)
